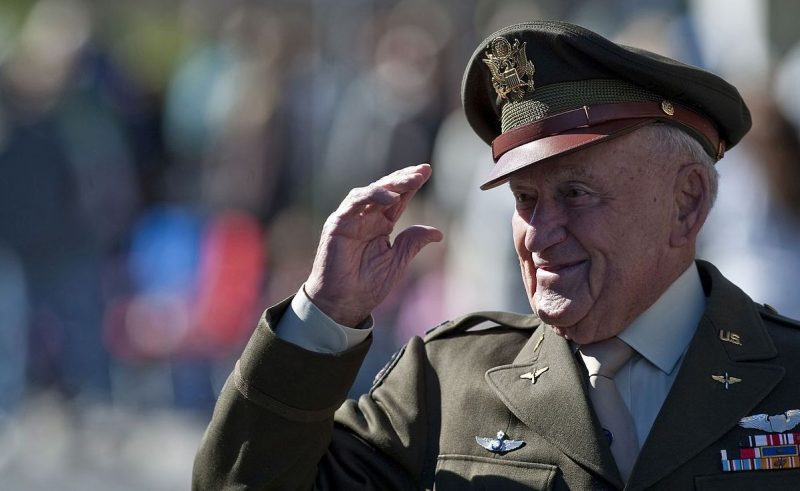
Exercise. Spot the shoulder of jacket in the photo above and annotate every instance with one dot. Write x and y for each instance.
(479, 322)
(476, 322)
(769, 313)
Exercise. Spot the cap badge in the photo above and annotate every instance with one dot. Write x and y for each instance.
(512, 72)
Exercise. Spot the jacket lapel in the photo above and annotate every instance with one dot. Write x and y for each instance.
(699, 410)
(556, 406)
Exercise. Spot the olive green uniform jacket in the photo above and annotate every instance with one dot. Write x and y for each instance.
(282, 423)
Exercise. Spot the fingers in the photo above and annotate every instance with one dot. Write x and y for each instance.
(410, 241)
(372, 195)
(407, 179)
(391, 193)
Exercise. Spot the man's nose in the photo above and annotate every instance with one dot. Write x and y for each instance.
(546, 227)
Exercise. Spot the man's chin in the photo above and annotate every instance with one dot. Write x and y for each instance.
(566, 323)
(561, 312)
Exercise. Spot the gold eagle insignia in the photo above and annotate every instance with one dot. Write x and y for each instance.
(512, 72)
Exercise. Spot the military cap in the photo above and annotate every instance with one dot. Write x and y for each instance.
(547, 88)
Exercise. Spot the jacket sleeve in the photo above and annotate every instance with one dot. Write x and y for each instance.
(385, 440)
(273, 425)
(274, 417)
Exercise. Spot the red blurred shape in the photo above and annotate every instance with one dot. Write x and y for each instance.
(232, 258)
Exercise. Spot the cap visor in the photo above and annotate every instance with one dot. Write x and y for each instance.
(525, 155)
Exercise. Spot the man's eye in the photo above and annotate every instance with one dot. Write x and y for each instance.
(523, 197)
(575, 193)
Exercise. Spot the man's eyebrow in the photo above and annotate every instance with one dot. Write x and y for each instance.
(567, 171)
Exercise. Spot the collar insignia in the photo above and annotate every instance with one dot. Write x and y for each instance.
(512, 72)
(499, 444)
(535, 374)
(726, 379)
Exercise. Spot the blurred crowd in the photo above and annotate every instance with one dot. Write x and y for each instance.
(166, 166)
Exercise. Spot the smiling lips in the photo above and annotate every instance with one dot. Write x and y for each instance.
(557, 269)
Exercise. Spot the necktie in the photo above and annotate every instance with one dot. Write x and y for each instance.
(603, 359)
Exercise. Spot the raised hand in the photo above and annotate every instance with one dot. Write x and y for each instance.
(356, 265)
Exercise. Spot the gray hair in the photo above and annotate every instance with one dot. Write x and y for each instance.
(679, 145)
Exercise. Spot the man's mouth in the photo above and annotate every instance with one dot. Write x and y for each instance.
(559, 268)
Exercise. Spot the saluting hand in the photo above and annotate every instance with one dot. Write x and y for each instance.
(356, 265)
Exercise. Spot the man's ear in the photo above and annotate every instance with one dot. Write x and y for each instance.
(692, 203)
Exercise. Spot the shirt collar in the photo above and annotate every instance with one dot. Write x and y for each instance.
(663, 331)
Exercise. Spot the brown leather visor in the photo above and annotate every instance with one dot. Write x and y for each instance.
(573, 130)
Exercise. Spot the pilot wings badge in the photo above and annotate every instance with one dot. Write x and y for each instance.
(512, 72)
(499, 444)
(777, 423)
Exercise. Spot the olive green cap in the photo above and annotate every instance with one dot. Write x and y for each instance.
(555, 88)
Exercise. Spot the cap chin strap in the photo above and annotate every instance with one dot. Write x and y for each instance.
(588, 116)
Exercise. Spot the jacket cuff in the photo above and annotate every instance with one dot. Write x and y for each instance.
(295, 383)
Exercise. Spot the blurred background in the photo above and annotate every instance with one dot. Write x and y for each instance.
(166, 166)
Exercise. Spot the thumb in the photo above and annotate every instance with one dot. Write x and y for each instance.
(410, 241)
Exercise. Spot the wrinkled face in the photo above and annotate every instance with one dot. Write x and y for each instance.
(591, 229)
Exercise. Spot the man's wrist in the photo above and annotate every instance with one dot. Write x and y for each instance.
(307, 326)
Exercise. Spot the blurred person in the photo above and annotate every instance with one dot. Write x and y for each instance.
(640, 367)
(389, 111)
(222, 116)
(67, 190)
(13, 334)
(474, 233)
(762, 196)
(769, 216)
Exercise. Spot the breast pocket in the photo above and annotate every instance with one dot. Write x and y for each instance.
(457, 472)
(776, 480)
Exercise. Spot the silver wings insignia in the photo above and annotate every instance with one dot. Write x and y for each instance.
(777, 423)
(499, 444)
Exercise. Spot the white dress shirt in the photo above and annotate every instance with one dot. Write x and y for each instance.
(308, 327)
(660, 336)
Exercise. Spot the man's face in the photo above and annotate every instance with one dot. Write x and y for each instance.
(592, 233)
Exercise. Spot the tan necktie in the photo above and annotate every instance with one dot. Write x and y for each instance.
(603, 360)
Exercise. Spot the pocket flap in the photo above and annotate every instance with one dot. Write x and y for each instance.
(774, 480)
(471, 472)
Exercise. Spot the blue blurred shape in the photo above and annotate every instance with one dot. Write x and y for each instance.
(165, 250)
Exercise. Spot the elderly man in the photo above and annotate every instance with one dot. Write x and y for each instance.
(641, 368)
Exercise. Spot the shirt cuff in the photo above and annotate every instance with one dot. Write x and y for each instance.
(306, 326)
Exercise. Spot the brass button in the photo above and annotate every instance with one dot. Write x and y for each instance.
(668, 108)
